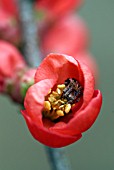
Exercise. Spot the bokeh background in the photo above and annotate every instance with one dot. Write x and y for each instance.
(95, 151)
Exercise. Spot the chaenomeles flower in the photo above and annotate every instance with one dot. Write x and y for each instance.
(62, 103)
(72, 36)
(11, 61)
(9, 6)
(54, 9)
(9, 28)
(15, 76)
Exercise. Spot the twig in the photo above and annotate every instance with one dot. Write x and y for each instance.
(29, 33)
(57, 157)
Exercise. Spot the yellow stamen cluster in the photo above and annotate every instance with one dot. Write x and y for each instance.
(54, 105)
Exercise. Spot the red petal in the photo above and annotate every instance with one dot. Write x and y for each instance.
(9, 6)
(88, 84)
(10, 58)
(71, 36)
(58, 67)
(45, 136)
(59, 7)
(83, 119)
(34, 99)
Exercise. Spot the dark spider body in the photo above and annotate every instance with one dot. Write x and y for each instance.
(73, 90)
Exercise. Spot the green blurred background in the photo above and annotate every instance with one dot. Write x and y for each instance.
(95, 151)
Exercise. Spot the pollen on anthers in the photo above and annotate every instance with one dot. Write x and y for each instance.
(59, 103)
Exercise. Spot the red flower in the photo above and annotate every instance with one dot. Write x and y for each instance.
(80, 102)
(10, 61)
(9, 6)
(9, 28)
(57, 8)
(71, 36)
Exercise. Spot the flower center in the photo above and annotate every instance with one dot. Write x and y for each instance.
(58, 103)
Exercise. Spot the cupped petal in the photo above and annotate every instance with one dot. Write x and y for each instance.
(34, 99)
(47, 137)
(59, 67)
(83, 119)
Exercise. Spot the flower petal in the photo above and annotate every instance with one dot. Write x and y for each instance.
(9, 6)
(47, 137)
(10, 59)
(65, 42)
(57, 8)
(88, 84)
(58, 67)
(34, 99)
